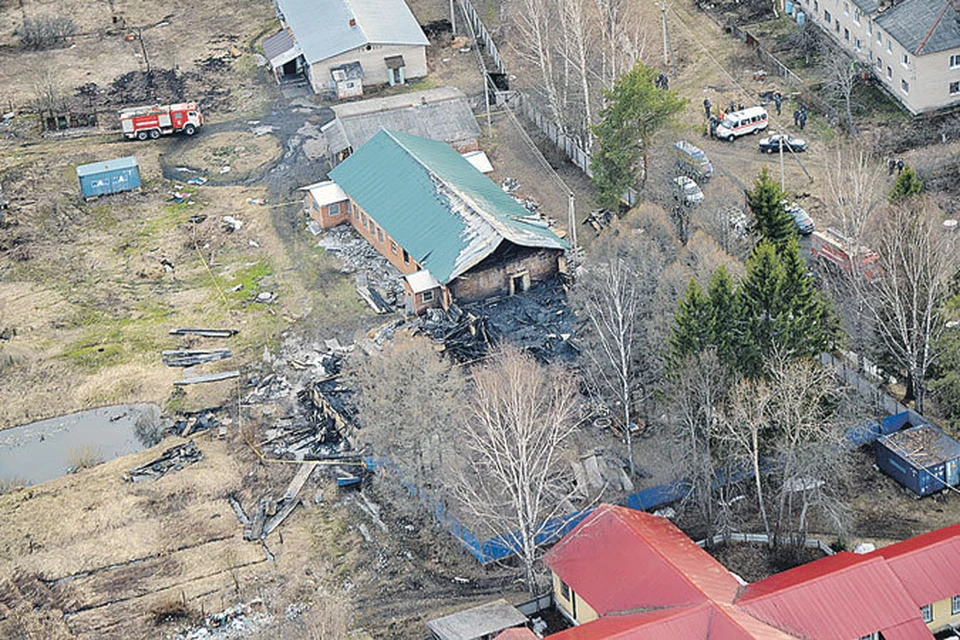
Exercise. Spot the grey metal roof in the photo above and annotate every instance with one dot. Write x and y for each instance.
(442, 114)
(478, 622)
(922, 26)
(868, 7)
(277, 44)
(322, 27)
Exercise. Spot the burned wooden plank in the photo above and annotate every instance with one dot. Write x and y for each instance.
(300, 479)
(210, 377)
(238, 509)
(206, 333)
(373, 299)
(191, 357)
(277, 520)
(173, 459)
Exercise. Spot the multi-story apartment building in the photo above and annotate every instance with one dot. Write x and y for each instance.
(912, 46)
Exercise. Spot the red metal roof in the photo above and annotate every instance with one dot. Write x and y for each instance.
(927, 565)
(675, 622)
(842, 596)
(620, 559)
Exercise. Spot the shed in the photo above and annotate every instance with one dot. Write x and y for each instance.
(924, 458)
(482, 622)
(112, 176)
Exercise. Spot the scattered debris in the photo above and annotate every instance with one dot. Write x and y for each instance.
(256, 201)
(197, 181)
(231, 224)
(265, 297)
(173, 459)
(210, 377)
(374, 299)
(599, 219)
(224, 169)
(206, 333)
(195, 423)
(191, 357)
(358, 256)
(253, 243)
(197, 218)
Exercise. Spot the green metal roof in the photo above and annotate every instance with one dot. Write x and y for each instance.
(444, 212)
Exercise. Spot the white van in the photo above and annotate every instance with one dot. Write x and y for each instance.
(739, 123)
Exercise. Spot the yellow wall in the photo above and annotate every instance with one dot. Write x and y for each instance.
(585, 612)
(942, 616)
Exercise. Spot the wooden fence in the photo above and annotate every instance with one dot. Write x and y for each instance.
(483, 35)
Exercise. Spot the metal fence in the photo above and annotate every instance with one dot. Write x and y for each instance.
(482, 34)
(813, 543)
(870, 391)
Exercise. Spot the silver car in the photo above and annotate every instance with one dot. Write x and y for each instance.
(687, 191)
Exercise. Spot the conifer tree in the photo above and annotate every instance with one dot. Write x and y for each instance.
(693, 328)
(761, 297)
(727, 321)
(906, 186)
(767, 202)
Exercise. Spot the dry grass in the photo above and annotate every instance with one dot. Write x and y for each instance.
(242, 151)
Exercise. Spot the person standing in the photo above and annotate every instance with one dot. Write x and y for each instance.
(796, 117)
(733, 106)
(803, 120)
(778, 100)
(706, 107)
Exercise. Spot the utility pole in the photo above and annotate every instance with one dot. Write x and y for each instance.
(667, 43)
(453, 19)
(143, 47)
(782, 183)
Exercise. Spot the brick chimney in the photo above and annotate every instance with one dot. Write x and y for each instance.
(353, 21)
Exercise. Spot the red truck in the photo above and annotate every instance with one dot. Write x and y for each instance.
(831, 246)
(160, 120)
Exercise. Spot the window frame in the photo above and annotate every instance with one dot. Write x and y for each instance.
(904, 86)
(955, 605)
(331, 211)
(889, 73)
(905, 60)
(926, 612)
(955, 61)
(564, 590)
(427, 296)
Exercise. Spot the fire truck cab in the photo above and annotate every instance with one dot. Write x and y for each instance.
(157, 120)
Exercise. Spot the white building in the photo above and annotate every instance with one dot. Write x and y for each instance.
(912, 46)
(343, 45)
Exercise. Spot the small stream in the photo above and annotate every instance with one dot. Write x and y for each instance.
(44, 450)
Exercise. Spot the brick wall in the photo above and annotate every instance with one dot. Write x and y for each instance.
(322, 213)
(493, 277)
(376, 236)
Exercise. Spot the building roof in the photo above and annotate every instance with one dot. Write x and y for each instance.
(107, 165)
(922, 446)
(517, 633)
(826, 599)
(442, 113)
(868, 7)
(322, 27)
(620, 559)
(477, 622)
(445, 213)
(479, 160)
(421, 281)
(928, 565)
(922, 26)
(280, 48)
(326, 192)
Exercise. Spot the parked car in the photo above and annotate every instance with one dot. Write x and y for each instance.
(687, 191)
(800, 217)
(692, 161)
(772, 144)
(739, 123)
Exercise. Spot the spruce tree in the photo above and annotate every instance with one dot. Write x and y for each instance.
(761, 297)
(811, 327)
(906, 186)
(693, 329)
(727, 320)
(767, 202)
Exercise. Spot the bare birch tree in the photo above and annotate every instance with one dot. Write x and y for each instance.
(515, 447)
(843, 74)
(918, 260)
(534, 21)
(615, 296)
(855, 191)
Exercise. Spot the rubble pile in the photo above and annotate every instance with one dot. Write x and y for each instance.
(358, 256)
(539, 321)
(235, 622)
(173, 459)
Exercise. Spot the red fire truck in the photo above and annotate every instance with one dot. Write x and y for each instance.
(831, 246)
(160, 120)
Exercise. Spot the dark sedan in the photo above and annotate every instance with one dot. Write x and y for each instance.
(772, 144)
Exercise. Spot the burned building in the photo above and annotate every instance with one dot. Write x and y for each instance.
(450, 230)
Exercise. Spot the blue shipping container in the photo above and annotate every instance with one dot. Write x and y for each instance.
(924, 459)
(112, 176)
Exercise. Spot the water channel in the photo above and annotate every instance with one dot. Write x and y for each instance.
(40, 451)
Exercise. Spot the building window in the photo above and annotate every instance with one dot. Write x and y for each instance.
(889, 73)
(406, 257)
(869, 636)
(879, 38)
(334, 209)
(889, 46)
(380, 234)
(955, 61)
(869, 28)
(426, 296)
(356, 211)
(827, 17)
(836, 26)
(564, 590)
(846, 35)
(955, 605)
(856, 16)
(859, 45)
(905, 86)
(879, 62)
(927, 612)
(904, 59)
(846, 8)
(393, 247)
(816, 6)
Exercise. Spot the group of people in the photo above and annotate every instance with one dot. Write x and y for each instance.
(799, 115)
